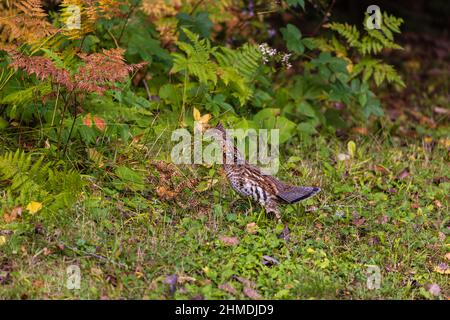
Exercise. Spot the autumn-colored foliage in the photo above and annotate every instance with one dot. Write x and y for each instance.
(27, 23)
(98, 72)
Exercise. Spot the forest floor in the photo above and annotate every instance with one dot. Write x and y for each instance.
(383, 209)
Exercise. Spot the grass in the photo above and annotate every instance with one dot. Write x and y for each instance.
(387, 206)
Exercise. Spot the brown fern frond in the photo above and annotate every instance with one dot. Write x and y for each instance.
(158, 9)
(32, 8)
(111, 8)
(42, 67)
(167, 29)
(98, 73)
(102, 69)
(30, 23)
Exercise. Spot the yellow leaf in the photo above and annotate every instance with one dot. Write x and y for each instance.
(2, 240)
(349, 67)
(201, 121)
(310, 250)
(197, 114)
(442, 269)
(34, 207)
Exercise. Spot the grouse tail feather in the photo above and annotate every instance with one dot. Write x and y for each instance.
(295, 194)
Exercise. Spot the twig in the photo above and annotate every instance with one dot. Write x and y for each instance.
(112, 36)
(330, 7)
(62, 119)
(126, 22)
(149, 95)
(94, 255)
(195, 7)
(71, 130)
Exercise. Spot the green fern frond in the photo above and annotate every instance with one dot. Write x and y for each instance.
(24, 96)
(348, 32)
(196, 60)
(238, 69)
(386, 72)
(24, 179)
(380, 72)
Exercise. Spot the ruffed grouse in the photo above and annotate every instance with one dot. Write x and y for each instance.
(248, 180)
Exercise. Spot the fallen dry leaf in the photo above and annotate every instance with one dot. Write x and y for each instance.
(440, 110)
(164, 193)
(437, 203)
(383, 219)
(228, 288)
(442, 268)
(360, 130)
(252, 228)
(380, 168)
(183, 279)
(246, 282)
(229, 241)
(252, 293)
(38, 283)
(404, 174)
(15, 213)
(359, 222)
(96, 272)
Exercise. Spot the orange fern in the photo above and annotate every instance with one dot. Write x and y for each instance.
(42, 67)
(30, 24)
(102, 69)
(97, 74)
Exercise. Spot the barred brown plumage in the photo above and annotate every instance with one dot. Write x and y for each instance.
(248, 180)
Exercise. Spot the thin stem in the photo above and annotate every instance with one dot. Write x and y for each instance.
(126, 22)
(149, 95)
(195, 7)
(184, 97)
(62, 120)
(327, 13)
(112, 36)
(70, 133)
(56, 106)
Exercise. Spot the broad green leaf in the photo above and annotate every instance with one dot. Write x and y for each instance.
(130, 178)
(293, 36)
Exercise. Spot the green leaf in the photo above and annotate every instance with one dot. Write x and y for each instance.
(307, 128)
(199, 24)
(293, 36)
(3, 123)
(294, 3)
(373, 106)
(306, 109)
(130, 178)
(334, 119)
(270, 118)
